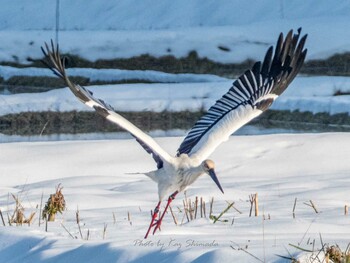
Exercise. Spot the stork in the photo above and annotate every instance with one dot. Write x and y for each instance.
(249, 96)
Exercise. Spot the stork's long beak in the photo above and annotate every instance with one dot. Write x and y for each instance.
(215, 179)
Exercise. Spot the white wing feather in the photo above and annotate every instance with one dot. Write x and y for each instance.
(56, 64)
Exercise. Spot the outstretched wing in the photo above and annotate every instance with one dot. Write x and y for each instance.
(251, 94)
(54, 61)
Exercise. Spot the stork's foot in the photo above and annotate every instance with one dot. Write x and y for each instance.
(154, 217)
(157, 223)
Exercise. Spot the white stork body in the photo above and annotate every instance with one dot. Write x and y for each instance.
(250, 95)
(176, 175)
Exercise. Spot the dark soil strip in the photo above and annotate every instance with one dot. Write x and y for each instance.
(28, 84)
(35, 123)
(338, 64)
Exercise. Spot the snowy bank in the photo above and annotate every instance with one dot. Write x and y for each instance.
(314, 94)
(125, 29)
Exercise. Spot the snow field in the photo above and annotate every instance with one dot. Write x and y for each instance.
(95, 178)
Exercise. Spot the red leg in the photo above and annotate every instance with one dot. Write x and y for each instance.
(154, 216)
(159, 222)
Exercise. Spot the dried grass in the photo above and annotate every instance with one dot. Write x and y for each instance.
(18, 217)
(54, 204)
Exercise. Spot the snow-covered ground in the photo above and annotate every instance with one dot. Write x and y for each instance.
(314, 94)
(150, 14)
(7, 72)
(119, 29)
(94, 175)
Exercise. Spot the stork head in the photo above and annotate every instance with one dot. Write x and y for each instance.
(208, 167)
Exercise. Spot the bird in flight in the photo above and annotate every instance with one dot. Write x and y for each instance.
(249, 96)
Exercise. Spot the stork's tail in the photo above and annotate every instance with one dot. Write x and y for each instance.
(151, 175)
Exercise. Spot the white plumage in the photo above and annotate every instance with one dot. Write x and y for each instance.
(250, 95)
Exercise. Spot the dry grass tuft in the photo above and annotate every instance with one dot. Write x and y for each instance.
(336, 255)
(18, 217)
(54, 204)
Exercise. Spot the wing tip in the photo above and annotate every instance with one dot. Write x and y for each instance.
(288, 62)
